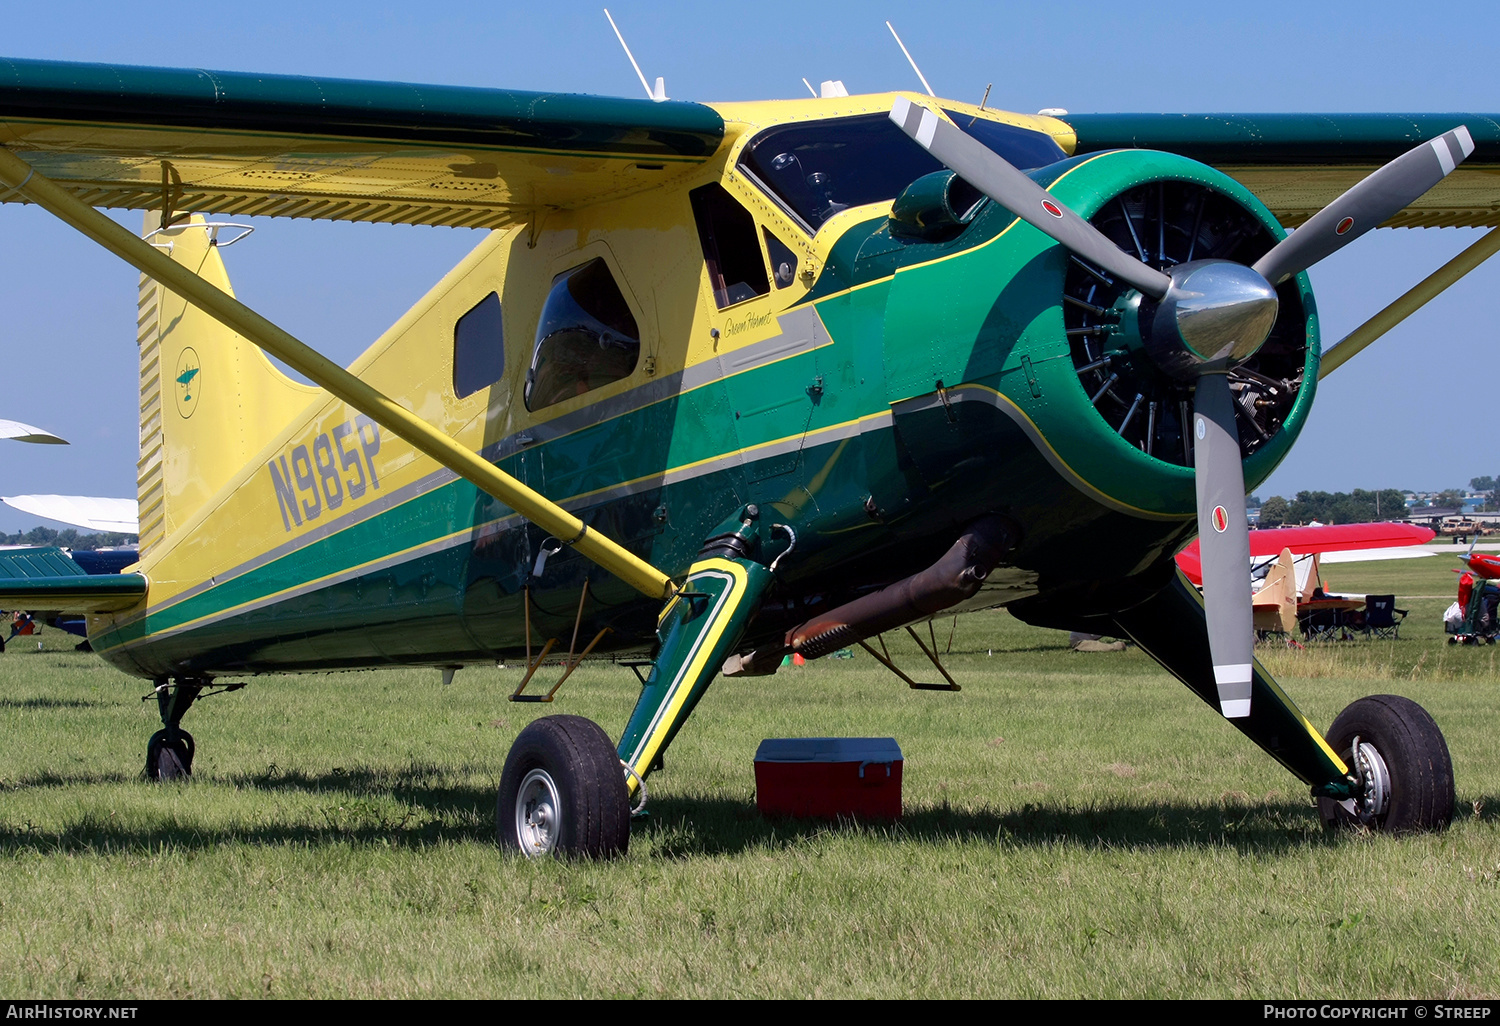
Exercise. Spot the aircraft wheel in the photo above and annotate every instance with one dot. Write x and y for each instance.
(1404, 762)
(563, 792)
(172, 761)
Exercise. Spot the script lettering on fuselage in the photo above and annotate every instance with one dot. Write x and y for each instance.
(339, 464)
(749, 323)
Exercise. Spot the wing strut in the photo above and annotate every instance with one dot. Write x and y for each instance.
(1418, 296)
(345, 386)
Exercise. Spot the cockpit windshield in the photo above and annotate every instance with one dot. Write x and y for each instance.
(818, 168)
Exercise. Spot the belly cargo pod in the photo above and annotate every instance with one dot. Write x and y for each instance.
(828, 777)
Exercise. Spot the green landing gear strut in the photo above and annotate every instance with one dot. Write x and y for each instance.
(699, 629)
(564, 791)
(1384, 764)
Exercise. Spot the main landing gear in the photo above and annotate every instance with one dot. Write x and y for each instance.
(1400, 771)
(1384, 764)
(565, 789)
(563, 792)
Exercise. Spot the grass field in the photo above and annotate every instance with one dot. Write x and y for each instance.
(1076, 825)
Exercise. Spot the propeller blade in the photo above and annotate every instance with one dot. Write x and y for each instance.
(1370, 203)
(1224, 542)
(994, 176)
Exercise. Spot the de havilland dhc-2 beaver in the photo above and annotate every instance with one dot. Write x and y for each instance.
(726, 382)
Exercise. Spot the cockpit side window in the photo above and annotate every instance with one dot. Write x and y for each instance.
(818, 168)
(736, 270)
(586, 337)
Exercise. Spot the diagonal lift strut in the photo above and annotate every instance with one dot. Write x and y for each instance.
(630, 568)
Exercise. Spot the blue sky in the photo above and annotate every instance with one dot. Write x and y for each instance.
(1409, 413)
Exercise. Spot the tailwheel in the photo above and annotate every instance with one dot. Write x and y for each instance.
(563, 792)
(1398, 757)
(169, 759)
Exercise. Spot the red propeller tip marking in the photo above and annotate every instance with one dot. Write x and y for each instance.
(1221, 519)
(1344, 226)
(1052, 208)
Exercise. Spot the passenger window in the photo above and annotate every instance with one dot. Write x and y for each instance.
(586, 338)
(736, 270)
(783, 260)
(478, 348)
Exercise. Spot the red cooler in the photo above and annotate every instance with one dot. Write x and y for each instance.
(828, 777)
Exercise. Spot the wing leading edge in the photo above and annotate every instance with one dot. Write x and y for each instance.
(1299, 163)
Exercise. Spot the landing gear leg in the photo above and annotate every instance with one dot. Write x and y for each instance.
(169, 753)
(1384, 763)
(1172, 628)
(701, 628)
(564, 790)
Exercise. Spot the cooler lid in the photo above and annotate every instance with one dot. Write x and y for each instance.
(828, 749)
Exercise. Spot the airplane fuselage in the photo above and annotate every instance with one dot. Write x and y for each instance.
(874, 389)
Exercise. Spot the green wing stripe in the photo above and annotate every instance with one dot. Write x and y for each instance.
(324, 107)
(1306, 139)
(1296, 164)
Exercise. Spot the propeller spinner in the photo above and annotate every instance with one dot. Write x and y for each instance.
(1209, 316)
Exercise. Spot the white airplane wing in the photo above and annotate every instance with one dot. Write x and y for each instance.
(96, 514)
(14, 429)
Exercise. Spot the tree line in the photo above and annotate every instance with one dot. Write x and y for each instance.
(68, 539)
(1356, 507)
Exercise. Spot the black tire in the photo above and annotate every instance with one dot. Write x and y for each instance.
(568, 765)
(169, 761)
(1415, 755)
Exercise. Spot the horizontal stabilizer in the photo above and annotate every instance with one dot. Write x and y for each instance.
(96, 514)
(46, 578)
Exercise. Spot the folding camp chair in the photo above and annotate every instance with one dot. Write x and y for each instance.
(1382, 618)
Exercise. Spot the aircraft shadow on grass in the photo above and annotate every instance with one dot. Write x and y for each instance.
(418, 806)
(48, 703)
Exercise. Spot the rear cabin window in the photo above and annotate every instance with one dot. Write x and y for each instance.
(818, 168)
(586, 338)
(736, 270)
(478, 347)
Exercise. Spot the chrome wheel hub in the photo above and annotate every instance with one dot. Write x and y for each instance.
(538, 813)
(1374, 780)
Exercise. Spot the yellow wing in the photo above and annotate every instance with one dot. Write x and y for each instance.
(284, 146)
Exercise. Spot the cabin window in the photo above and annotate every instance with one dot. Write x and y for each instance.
(818, 168)
(783, 260)
(736, 270)
(586, 338)
(478, 348)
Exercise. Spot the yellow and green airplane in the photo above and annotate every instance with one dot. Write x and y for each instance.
(723, 383)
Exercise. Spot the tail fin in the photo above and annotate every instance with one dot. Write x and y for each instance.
(1281, 588)
(210, 400)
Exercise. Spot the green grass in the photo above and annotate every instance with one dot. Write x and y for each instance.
(1076, 825)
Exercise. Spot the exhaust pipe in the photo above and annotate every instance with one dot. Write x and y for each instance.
(949, 581)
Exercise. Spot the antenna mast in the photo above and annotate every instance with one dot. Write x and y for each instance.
(660, 93)
(903, 50)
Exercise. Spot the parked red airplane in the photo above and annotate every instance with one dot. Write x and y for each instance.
(1483, 564)
(1326, 538)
